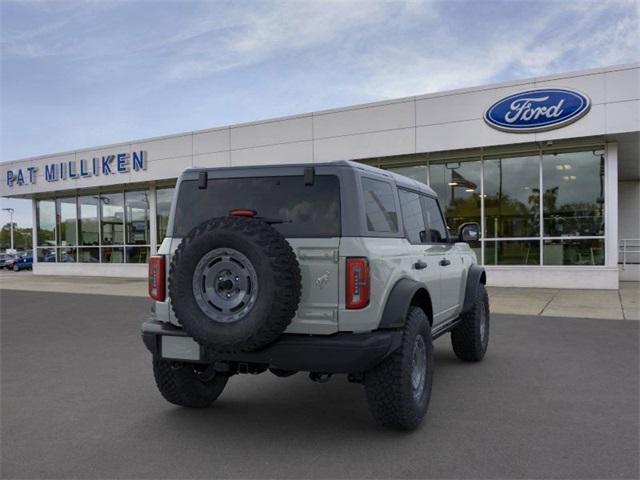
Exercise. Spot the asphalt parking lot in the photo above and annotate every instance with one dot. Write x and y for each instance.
(555, 398)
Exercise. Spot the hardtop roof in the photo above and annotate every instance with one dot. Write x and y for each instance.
(399, 180)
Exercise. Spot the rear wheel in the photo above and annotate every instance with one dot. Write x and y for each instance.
(399, 389)
(16, 268)
(182, 384)
(470, 338)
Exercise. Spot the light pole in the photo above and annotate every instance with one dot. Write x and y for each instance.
(10, 210)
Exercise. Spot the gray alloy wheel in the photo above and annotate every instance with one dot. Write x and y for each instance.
(225, 285)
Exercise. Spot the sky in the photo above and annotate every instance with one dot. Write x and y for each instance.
(87, 73)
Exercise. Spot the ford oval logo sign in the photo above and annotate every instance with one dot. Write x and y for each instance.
(537, 110)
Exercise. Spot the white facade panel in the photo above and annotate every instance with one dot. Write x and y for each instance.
(593, 123)
(92, 269)
(462, 107)
(272, 133)
(469, 134)
(623, 85)
(623, 116)
(216, 159)
(300, 152)
(362, 120)
(600, 278)
(169, 147)
(378, 144)
(591, 85)
(162, 169)
(211, 141)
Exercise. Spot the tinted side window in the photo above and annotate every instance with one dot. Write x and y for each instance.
(380, 207)
(412, 216)
(433, 218)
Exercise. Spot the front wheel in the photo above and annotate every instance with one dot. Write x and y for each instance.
(399, 388)
(16, 268)
(470, 338)
(182, 384)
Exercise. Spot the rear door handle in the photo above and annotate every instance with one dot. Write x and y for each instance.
(419, 265)
(444, 262)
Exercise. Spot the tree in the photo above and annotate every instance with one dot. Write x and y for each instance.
(22, 237)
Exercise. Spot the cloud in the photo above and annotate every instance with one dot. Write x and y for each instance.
(255, 35)
(560, 38)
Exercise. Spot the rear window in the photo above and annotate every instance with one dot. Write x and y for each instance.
(306, 210)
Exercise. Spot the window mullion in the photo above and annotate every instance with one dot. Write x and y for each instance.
(541, 197)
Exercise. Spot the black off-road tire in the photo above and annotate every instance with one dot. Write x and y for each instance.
(468, 338)
(278, 275)
(388, 386)
(180, 384)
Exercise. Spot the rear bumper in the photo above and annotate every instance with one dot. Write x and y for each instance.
(339, 353)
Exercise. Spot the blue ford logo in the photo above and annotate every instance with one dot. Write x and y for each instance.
(537, 110)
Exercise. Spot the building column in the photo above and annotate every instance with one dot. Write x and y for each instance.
(153, 217)
(34, 233)
(611, 205)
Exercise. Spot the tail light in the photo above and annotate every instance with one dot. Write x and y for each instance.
(358, 285)
(156, 277)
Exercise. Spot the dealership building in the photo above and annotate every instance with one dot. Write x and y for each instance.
(549, 166)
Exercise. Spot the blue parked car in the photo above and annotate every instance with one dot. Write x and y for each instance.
(23, 262)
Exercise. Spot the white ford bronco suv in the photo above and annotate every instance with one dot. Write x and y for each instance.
(326, 268)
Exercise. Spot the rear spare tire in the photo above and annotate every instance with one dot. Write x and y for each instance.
(234, 284)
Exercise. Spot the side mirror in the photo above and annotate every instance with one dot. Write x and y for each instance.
(469, 232)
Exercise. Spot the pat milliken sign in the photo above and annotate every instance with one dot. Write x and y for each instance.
(537, 110)
(116, 164)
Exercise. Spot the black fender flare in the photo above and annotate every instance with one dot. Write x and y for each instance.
(399, 300)
(475, 277)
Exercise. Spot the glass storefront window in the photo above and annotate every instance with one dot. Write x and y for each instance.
(112, 218)
(46, 218)
(458, 187)
(88, 226)
(512, 197)
(137, 216)
(89, 255)
(66, 255)
(47, 255)
(574, 251)
(137, 254)
(417, 172)
(112, 254)
(163, 208)
(573, 198)
(67, 221)
(512, 252)
(93, 228)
